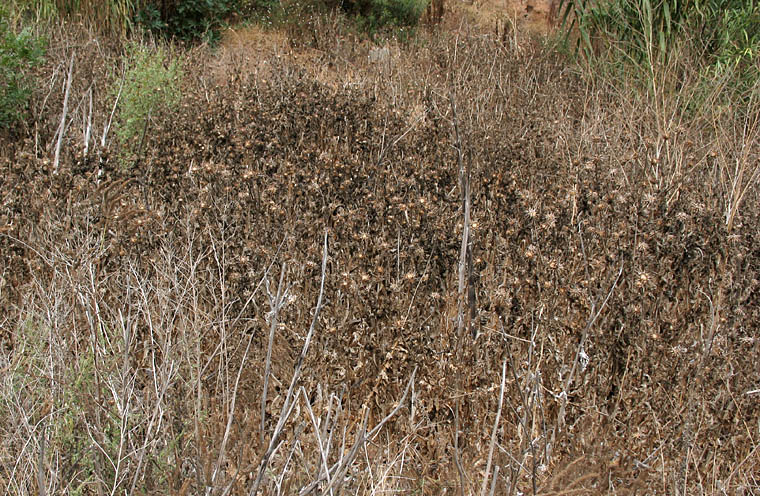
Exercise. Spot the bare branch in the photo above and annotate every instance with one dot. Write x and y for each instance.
(494, 431)
(287, 406)
(62, 127)
(276, 304)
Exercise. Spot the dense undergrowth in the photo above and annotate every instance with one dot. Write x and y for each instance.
(596, 332)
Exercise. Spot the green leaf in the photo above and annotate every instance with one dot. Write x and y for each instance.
(666, 15)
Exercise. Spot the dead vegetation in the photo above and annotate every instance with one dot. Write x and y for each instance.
(610, 281)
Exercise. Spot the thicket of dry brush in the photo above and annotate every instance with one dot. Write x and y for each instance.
(610, 290)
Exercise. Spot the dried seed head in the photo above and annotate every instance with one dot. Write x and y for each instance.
(643, 279)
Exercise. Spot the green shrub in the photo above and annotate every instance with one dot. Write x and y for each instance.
(375, 14)
(19, 53)
(149, 18)
(721, 36)
(723, 31)
(199, 19)
(187, 20)
(151, 83)
(730, 35)
(639, 28)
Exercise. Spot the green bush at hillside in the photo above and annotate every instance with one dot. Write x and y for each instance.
(369, 16)
(187, 20)
(724, 34)
(377, 14)
(730, 36)
(150, 84)
(19, 52)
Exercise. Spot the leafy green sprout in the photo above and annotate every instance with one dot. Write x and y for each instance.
(20, 52)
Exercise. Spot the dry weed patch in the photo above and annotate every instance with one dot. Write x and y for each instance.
(155, 316)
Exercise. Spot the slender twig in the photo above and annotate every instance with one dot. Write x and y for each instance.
(263, 279)
(62, 127)
(524, 418)
(285, 466)
(494, 431)
(465, 252)
(457, 455)
(340, 472)
(594, 315)
(493, 481)
(400, 403)
(339, 469)
(231, 413)
(384, 149)
(275, 304)
(289, 403)
(741, 464)
(464, 185)
(107, 126)
(323, 453)
(41, 485)
(160, 390)
(88, 127)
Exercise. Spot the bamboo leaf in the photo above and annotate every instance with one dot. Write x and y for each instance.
(666, 15)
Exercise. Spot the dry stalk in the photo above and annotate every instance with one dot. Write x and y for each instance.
(324, 450)
(338, 471)
(463, 266)
(384, 149)
(289, 403)
(231, 414)
(465, 253)
(161, 374)
(107, 125)
(276, 304)
(62, 126)
(41, 484)
(494, 432)
(523, 419)
(580, 351)
(88, 125)
(457, 452)
(746, 170)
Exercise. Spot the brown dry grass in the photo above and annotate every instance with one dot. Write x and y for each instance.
(138, 302)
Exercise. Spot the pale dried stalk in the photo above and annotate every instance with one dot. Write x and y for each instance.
(88, 126)
(62, 127)
(457, 455)
(592, 318)
(744, 175)
(323, 451)
(523, 420)
(494, 431)
(289, 403)
(275, 304)
(464, 182)
(162, 379)
(231, 414)
(338, 470)
(107, 126)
